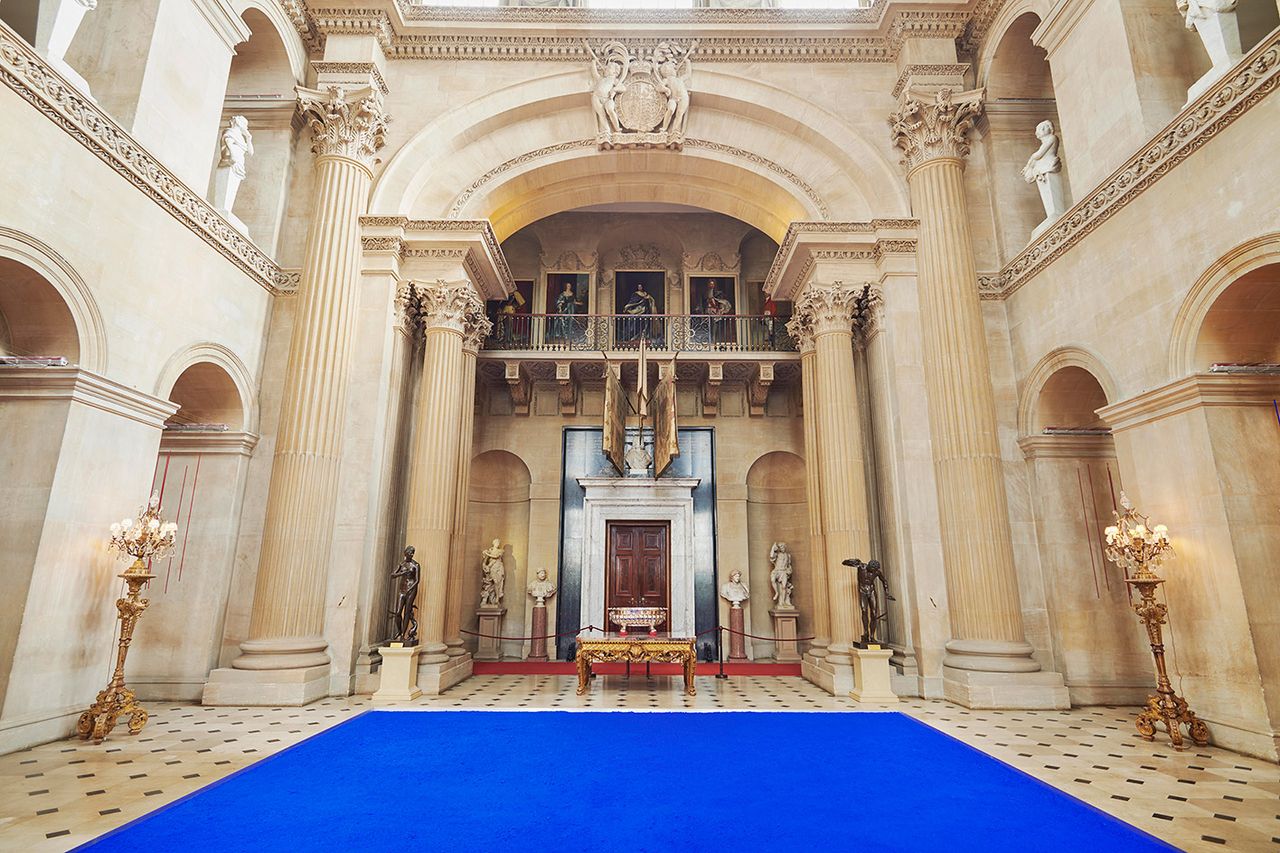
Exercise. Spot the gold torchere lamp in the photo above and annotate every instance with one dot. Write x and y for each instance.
(1139, 549)
(143, 538)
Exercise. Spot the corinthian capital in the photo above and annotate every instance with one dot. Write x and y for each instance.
(346, 124)
(827, 308)
(800, 327)
(928, 130)
(450, 305)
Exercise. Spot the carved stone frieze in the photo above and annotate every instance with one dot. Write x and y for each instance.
(912, 71)
(32, 79)
(345, 124)
(360, 70)
(520, 386)
(640, 256)
(571, 261)
(711, 262)
(928, 130)
(1254, 78)
(381, 244)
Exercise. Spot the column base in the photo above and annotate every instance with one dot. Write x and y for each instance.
(456, 648)
(436, 677)
(1012, 690)
(873, 676)
(835, 678)
(272, 687)
(399, 682)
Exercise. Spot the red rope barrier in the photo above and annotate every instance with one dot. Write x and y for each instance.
(547, 637)
(754, 637)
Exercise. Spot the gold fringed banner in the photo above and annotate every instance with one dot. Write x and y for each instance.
(666, 442)
(615, 419)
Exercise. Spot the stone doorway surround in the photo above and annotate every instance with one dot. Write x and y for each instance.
(639, 499)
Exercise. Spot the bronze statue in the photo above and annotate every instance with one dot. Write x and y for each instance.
(404, 625)
(869, 603)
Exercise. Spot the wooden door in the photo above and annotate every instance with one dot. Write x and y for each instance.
(638, 569)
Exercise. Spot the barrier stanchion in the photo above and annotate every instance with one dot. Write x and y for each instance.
(720, 651)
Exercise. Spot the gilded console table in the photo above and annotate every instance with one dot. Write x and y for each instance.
(636, 649)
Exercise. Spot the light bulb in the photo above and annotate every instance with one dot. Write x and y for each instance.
(115, 529)
(153, 524)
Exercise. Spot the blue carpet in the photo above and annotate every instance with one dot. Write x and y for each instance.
(560, 781)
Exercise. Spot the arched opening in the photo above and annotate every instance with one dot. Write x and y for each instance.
(1029, 185)
(498, 508)
(200, 475)
(35, 321)
(777, 511)
(1075, 483)
(1242, 327)
(260, 90)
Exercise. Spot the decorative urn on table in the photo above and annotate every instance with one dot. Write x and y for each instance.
(636, 617)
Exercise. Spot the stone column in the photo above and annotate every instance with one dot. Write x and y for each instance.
(450, 313)
(982, 584)
(813, 492)
(287, 621)
(826, 312)
(457, 551)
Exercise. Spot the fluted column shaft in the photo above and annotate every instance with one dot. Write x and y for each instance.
(982, 586)
(287, 620)
(457, 551)
(813, 493)
(450, 311)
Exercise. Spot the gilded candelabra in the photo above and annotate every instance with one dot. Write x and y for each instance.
(1139, 550)
(144, 538)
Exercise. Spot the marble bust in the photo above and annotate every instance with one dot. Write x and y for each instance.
(494, 575)
(541, 589)
(735, 591)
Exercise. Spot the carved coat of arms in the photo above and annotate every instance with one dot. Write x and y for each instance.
(641, 101)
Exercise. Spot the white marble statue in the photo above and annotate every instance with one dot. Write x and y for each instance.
(780, 575)
(675, 77)
(735, 591)
(541, 589)
(1215, 22)
(235, 148)
(1044, 169)
(494, 579)
(608, 75)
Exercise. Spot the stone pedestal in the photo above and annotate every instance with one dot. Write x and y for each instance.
(399, 674)
(488, 647)
(785, 647)
(737, 642)
(871, 676)
(538, 649)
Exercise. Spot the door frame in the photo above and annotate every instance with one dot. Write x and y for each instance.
(609, 524)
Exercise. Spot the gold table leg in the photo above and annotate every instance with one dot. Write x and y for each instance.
(690, 669)
(584, 673)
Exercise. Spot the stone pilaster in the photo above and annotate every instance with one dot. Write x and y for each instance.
(988, 651)
(457, 550)
(287, 621)
(827, 311)
(803, 333)
(450, 312)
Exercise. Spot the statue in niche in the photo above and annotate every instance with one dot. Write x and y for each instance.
(608, 76)
(404, 584)
(1215, 22)
(735, 591)
(1044, 169)
(869, 600)
(541, 589)
(780, 575)
(235, 146)
(494, 579)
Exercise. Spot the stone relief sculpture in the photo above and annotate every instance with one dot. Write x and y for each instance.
(735, 591)
(641, 101)
(1215, 22)
(494, 579)
(404, 580)
(235, 146)
(780, 575)
(1044, 169)
(540, 589)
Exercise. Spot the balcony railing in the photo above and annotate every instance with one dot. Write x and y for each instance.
(662, 332)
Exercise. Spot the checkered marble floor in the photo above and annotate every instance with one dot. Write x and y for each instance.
(58, 795)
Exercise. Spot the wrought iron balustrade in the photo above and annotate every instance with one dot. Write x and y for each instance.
(660, 332)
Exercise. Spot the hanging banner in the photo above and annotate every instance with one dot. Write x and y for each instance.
(666, 443)
(615, 419)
